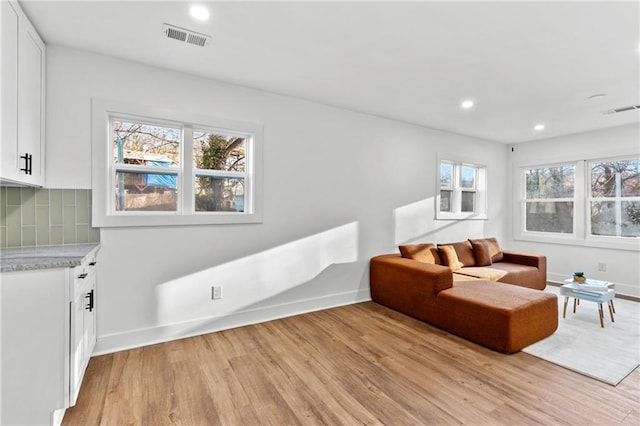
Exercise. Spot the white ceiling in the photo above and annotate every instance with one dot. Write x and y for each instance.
(522, 62)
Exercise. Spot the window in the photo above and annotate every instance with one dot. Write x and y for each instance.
(594, 202)
(549, 199)
(146, 166)
(219, 161)
(614, 198)
(158, 167)
(461, 191)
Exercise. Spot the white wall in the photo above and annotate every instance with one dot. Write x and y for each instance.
(339, 187)
(623, 266)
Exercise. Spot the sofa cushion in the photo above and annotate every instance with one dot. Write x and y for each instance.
(483, 272)
(505, 272)
(427, 253)
(494, 249)
(481, 253)
(464, 251)
(521, 275)
(449, 257)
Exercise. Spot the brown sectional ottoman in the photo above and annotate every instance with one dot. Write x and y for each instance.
(491, 298)
(502, 317)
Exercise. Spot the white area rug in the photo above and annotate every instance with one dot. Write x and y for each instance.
(607, 354)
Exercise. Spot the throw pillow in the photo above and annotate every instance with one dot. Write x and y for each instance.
(481, 252)
(494, 249)
(464, 251)
(449, 257)
(427, 253)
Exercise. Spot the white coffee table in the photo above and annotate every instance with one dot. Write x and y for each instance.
(579, 292)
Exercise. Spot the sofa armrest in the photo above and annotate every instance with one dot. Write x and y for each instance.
(407, 285)
(535, 260)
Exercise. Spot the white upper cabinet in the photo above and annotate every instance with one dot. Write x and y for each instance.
(23, 100)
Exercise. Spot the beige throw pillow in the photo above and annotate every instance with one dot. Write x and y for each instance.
(427, 253)
(449, 257)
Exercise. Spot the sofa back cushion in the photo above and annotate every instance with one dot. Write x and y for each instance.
(464, 251)
(481, 252)
(427, 253)
(449, 257)
(494, 248)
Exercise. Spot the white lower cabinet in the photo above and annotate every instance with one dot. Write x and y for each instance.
(83, 328)
(48, 334)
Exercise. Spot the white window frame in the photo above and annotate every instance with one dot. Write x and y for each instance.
(103, 169)
(581, 235)
(480, 190)
(577, 207)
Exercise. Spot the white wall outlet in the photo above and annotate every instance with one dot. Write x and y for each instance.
(216, 292)
(602, 267)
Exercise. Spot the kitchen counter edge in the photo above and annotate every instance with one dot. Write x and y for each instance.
(45, 257)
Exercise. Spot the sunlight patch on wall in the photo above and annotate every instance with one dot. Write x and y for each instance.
(417, 222)
(255, 278)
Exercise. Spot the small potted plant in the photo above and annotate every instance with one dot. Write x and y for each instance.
(579, 277)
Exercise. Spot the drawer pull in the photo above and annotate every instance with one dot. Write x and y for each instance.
(28, 163)
(90, 305)
(92, 264)
(83, 276)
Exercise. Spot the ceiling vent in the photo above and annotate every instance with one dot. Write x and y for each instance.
(186, 36)
(622, 109)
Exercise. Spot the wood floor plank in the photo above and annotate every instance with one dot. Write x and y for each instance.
(319, 379)
(356, 364)
(231, 403)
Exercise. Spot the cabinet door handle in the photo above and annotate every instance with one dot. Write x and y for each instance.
(83, 276)
(28, 163)
(90, 305)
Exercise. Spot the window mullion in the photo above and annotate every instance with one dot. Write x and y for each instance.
(220, 173)
(618, 205)
(188, 178)
(138, 168)
(456, 201)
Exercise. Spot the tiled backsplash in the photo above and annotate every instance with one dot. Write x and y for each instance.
(43, 217)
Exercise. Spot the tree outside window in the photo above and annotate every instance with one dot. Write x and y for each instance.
(220, 164)
(549, 199)
(614, 198)
(145, 158)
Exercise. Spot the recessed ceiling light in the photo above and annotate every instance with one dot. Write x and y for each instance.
(468, 104)
(200, 13)
(538, 127)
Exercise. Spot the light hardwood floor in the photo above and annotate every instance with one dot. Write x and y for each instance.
(357, 364)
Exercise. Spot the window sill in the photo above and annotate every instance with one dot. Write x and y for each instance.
(163, 219)
(461, 216)
(628, 244)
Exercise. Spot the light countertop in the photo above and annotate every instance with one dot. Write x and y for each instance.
(45, 257)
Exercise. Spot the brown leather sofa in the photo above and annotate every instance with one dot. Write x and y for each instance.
(472, 289)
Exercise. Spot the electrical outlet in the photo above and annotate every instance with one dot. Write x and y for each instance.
(216, 292)
(602, 267)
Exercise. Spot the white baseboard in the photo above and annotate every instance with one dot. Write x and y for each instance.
(57, 416)
(165, 333)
